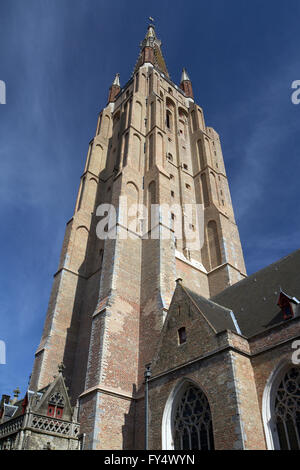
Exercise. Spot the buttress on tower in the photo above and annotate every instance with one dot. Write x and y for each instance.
(109, 297)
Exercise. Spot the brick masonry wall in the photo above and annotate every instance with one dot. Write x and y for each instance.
(216, 380)
(110, 298)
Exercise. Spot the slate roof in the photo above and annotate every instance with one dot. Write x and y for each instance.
(254, 299)
(219, 317)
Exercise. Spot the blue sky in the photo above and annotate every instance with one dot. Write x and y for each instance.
(58, 59)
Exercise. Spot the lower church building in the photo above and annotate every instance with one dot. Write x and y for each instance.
(155, 310)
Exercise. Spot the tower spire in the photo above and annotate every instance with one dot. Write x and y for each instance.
(184, 76)
(117, 80)
(114, 89)
(150, 51)
(186, 84)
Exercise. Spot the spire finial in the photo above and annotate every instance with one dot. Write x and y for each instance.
(61, 367)
(186, 84)
(151, 50)
(117, 80)
(184, 76)
(16, 392)
(114, 89)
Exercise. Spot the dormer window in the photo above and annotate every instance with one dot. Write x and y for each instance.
(288, 305)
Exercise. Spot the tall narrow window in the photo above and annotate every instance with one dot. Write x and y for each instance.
(137, 78)
(200, 116)
(151, 83)
(152, 115)
(213, 244)
(205, 190)
(125, 116)
(125, 157)
(151, 151)
(182, 335)
(192, 427)
(81, 193)
(194, 121)
(99, 124)
(200, 154)
(169, 120)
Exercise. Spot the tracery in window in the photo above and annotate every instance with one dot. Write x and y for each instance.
(56, 405)
(192, 421)
(287, 410)
(57, 399)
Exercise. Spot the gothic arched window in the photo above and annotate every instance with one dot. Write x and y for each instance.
(169, 120)
(287, 410)
(192, 426)
(56, 405)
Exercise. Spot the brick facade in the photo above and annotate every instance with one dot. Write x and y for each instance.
(107, 311)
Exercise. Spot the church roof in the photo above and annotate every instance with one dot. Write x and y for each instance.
(254, 299)
(220, 318)
(35, 400)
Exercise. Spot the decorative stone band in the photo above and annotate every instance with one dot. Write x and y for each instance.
(111, 391)
(12, 426)
(43, 424)
(53, 426)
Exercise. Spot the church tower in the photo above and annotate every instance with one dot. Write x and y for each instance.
(110, 295)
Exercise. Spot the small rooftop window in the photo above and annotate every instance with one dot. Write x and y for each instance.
(182, 335)
(288, 305)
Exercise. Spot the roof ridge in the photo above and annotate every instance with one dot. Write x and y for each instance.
(210, 300)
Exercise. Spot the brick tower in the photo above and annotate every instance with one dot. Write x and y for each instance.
(110, 297)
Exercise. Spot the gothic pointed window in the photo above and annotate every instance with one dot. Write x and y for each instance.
(56, 405)
(125, 152)
(287, 410)
(169, 120)
(192, 427)
(137, 82)
(81, 193)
